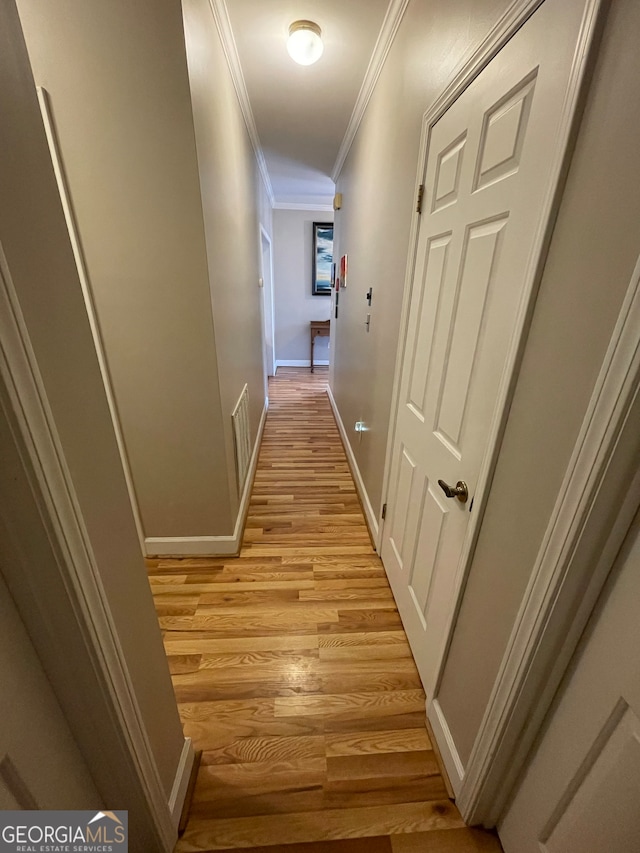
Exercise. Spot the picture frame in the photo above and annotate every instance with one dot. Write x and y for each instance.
(343, 270)
(322, 258)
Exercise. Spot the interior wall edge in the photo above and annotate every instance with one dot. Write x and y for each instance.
(213, 546)
(87, 292)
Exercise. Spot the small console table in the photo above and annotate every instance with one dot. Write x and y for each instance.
(317, 327)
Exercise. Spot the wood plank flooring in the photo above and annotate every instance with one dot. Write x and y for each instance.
(292, 671)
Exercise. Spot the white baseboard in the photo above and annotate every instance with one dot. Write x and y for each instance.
(446, 745)
(181, 781)
(299, 362)
(372, 521)
(191, 546)
(212, 546)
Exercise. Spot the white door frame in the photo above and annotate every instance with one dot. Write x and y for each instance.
(514, 17)
(267, 280)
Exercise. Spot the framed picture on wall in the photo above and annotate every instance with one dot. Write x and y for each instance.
(343, 270)
(322, 258)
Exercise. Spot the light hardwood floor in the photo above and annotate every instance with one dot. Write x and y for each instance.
(291, 669)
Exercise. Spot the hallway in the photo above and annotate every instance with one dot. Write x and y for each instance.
(477, 162)
(291, 669)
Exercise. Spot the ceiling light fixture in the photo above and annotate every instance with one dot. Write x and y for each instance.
(304, 43)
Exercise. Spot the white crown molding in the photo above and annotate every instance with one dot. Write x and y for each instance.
(223, 25)
(388, 31)
(320, 208)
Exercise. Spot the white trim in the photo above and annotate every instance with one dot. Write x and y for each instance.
(181, 782)
(299, 362)
(212, 546)
(191, 546)
(448, 751)
(320, 208)
(78, 254)
(270, 368)
(388, 31)
(78, 568)
(404, 322)
(225, 31)
(505, 28)
(570, 570)
(372, 521)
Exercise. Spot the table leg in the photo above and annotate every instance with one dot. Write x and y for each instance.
(312, 340)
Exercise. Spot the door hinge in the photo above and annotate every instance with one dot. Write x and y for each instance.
(384, 511)
(420, 197)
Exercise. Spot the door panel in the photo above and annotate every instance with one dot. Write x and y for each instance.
(428, 317)
(487, 183)
(480, 261)
(582, 788)
(433, 524)
(400, 527)
(504, 130)
(447, 180)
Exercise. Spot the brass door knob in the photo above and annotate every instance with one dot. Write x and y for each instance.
(459, 491)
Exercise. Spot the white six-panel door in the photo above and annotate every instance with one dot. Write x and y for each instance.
(487, 183)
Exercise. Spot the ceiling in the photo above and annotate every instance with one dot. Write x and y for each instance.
(297, 115)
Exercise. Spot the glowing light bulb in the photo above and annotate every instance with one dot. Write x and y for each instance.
(304, 43)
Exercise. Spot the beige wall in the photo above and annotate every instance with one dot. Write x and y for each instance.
(117, 78)
(592, 255)
(34, 239)
(377, 183)
(294, 303)
(234, 206)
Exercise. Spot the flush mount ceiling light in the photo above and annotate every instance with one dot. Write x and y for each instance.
(304, 43)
